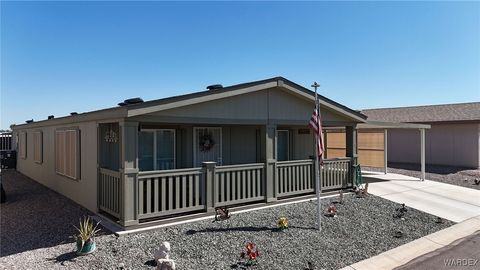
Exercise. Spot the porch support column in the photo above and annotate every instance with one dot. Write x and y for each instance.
(129, 172)
(209, 192)
(269, 133)
(422, 153)
(351, 148)
(385, 151)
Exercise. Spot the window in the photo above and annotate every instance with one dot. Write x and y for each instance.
(38, 147)
(156, 149)
(283, 145)
(67, 153)
(22, 147)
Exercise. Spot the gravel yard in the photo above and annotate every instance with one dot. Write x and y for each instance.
(446, 174)
(363, 228)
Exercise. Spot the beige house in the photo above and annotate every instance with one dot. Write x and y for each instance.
(227, 146)
(453, 140)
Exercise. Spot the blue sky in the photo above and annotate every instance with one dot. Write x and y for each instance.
(59, 57)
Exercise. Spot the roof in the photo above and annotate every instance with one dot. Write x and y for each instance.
(197, 97)
(427, 114)
(390, 125)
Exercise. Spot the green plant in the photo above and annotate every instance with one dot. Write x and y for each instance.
(86, 231)
(282, 223)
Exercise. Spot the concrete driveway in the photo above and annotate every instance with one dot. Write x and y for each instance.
(447, 201)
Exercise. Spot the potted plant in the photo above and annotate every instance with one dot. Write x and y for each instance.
(85, 239)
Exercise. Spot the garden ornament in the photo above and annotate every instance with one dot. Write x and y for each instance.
(162, 257)
(400, 212)
(221, 213)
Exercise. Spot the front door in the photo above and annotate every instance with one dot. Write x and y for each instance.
(207, 145)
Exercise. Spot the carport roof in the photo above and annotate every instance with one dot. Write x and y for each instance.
(390, 125)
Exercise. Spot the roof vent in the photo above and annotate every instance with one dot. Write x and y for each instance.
(51, 117)
(73, 113)
(130, 101)
(29, 121)
(214, 86)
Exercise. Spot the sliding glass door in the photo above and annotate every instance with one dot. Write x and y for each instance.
(156, 150)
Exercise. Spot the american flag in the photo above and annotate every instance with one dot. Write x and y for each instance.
(316, 126)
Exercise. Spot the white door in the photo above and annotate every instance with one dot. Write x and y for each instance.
(207, 145)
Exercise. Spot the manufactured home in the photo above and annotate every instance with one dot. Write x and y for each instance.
(227, 146)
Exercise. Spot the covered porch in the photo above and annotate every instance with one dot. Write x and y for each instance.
(242, 149)
(271, 164)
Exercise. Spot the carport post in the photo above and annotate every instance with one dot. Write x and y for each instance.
(385, 147)
(422, 153)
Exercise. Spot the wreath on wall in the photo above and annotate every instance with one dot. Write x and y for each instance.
(206, 142)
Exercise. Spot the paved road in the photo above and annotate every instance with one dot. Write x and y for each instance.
(465, 255)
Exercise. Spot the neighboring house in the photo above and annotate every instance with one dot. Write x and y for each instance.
(227, 146)
(453, 140)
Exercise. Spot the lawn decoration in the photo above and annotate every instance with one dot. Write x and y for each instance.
(331, 211)
(362, 192)
(282, 223)
(400, 212)
(439, 220)
(221, 213)
(398, 234)
(85, 239)
(162, 257)
(250, 257)
(477, 181)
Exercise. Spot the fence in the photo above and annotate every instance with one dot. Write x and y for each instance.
(6, 141)
(237, 184)
(109, 192)
(162, 193)
(181, 191)
(294, 177)
(336, 173)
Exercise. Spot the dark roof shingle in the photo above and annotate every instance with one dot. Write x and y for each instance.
(424, 114)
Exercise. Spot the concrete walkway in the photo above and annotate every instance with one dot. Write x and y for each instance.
(447, 201)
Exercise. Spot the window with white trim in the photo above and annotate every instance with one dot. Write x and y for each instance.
(38, 146)
(22, 146)
(156, 149)
(67, 153)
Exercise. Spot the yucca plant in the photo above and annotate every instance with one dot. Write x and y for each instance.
(86, 232)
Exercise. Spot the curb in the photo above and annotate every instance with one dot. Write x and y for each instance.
(403, 254)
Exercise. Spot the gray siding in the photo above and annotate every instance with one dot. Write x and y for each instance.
(272, 105)
(82, 191)
(446, 144)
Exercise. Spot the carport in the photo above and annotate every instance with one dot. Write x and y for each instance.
(372, 140)
(385, 126)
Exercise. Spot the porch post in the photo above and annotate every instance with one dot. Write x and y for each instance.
(385, 151)
(209, 192)
(129, 172)
(422, 153)
(351, 147)
(269, 133)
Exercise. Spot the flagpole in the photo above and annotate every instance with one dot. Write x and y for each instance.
(317, 166)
